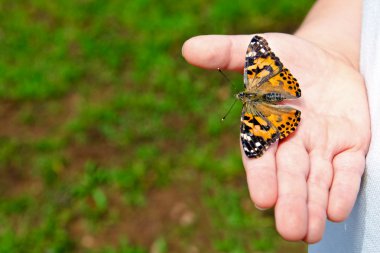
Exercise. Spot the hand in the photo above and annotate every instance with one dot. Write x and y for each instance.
(315, 173)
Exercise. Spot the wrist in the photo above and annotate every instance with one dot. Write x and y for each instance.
(335, 26)
(348, 56)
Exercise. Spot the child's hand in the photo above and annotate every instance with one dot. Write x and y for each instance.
(316, 171)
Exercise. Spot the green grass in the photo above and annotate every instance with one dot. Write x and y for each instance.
(111, 142)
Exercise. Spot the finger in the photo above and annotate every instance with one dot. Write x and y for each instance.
(318, 185)
(261, 178)
(348, 170)
(291, 208)
(217, 51)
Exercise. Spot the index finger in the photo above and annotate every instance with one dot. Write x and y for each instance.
(217, 51)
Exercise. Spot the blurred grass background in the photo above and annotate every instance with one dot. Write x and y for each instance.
(111, 142)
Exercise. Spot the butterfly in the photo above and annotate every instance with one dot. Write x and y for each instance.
(267, 82)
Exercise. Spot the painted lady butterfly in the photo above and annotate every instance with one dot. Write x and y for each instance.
(266, 82)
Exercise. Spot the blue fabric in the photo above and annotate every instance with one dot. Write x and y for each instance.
(360, 233)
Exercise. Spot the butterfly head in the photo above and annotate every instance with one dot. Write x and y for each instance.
(245, 96)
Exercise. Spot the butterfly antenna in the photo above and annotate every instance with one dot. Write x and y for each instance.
(226, 78)
(225, 116)
(234, 86)
(224, 75)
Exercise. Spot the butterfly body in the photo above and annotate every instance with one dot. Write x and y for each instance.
(252, 97)
(267, 82)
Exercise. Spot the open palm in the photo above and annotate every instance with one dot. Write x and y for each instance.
(315, 173)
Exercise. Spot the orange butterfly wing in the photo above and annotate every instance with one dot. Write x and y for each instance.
(263, 122)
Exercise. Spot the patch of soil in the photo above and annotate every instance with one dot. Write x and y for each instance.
(174, 213)
(33, 120)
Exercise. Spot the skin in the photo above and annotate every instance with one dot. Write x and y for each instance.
(315, 173)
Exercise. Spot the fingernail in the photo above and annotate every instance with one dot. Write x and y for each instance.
(260, 208)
